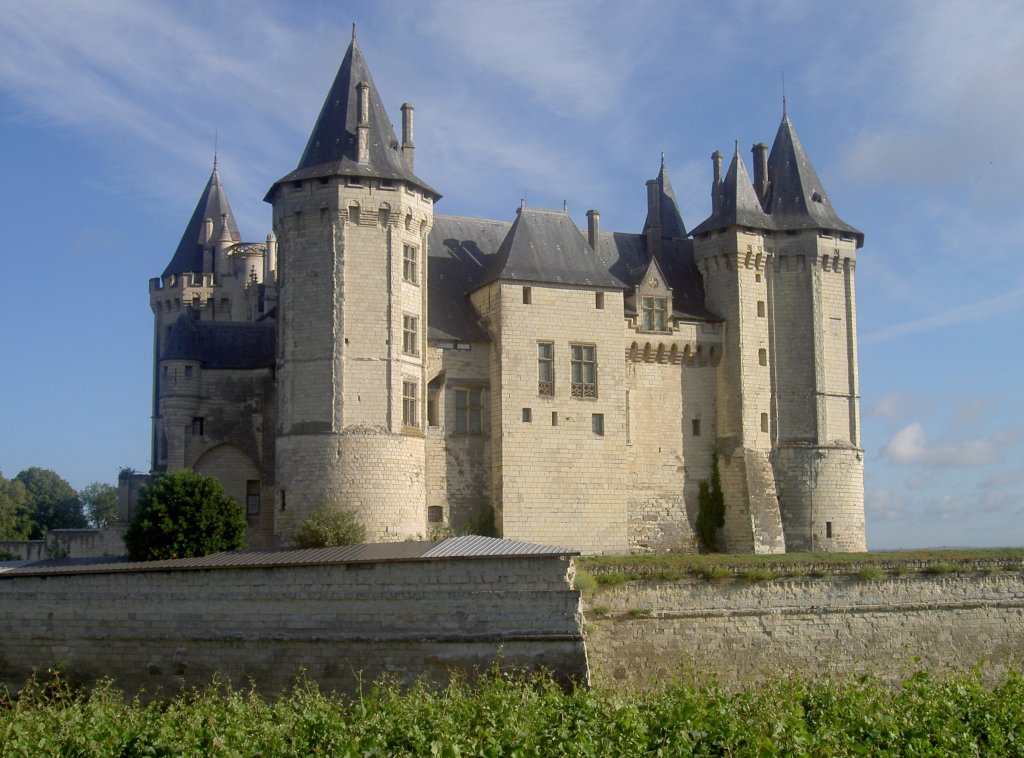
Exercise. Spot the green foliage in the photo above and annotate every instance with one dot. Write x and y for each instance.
(711, 511)
(15, 518)
(52, 502)
(100, 503)
(329, 526)
(870, 573)
(530, 717)
(585, 582)
(184, 515)
(941, 568)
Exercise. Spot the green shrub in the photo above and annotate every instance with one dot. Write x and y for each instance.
(184, 515)
(600, 611)
(711, 511)
(758, 574)
(870, 573)
(329, 526)
(941, 568)
(639, 613)
(715, 572)
(585, 582)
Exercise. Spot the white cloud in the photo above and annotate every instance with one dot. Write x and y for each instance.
(898, 405)
(910, 447)
(977, 312)
(883, 505)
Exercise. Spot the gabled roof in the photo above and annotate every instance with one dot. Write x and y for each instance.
(670, 219)
(222, 344)
(213, 203)
(797, 198)
(738, 204)
(332, 149)
(546, 247)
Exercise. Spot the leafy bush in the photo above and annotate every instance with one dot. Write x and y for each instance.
(711, 513)
(870, 573)
(99, 500)
(329, 526)
(184, 515)
(585, 582)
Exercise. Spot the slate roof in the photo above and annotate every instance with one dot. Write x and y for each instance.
(796, 196)
(222, 344)
(188, 257)
(670, 219)
(332, 149)
(546, 247)
(737, 204)
(455, 548)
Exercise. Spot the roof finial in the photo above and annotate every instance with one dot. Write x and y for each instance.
(565, 206)
(353, 31)
(662, 160)
(215, 135)
(783, 91)
(737, 147)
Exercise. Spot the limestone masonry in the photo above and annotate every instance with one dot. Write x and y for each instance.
(523, 376)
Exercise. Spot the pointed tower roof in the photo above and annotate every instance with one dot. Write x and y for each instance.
(671, 220)
(797, 198)
(739, 205)
(546, 247)
(213, 203)
(333, 147)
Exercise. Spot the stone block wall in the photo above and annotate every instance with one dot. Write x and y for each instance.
(643, 634)
(340, 624)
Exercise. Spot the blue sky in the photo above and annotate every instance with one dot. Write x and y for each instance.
(911, 113)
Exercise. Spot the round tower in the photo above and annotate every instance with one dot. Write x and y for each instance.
(351, 224)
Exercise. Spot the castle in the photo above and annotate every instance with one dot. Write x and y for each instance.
(554, 385)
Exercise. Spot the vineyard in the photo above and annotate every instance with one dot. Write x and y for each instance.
(509, 716)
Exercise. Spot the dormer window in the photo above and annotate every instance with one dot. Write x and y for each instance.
(654, 313)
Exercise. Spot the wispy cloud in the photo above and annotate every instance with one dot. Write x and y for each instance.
(977, 312)
(910, 446)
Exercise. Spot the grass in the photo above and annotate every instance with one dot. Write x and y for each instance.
(612, 570)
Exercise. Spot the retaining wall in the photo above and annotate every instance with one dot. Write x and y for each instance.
(641, 634)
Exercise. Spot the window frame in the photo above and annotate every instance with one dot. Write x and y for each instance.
(546, 365)
(410, 403)
(410, 264)
(654, 316)
(583, 366)
(410, 334)
(466, 411)
(252, 498)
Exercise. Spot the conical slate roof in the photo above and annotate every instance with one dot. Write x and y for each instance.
(797, 198)
(671, 220)
(213, 204)
(546, 247)
(738, 204)
(333, 148)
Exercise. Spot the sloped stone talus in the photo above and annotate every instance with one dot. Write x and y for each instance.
(741, 632)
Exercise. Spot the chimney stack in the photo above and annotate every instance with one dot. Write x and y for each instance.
(270, 261)
(594, 229)
(407, 143)
(760, 151)
(653, 203)
(363, 125)
(716, 184)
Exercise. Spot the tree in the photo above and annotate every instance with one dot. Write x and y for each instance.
(329, 526)
(184, 515)
(52, 502)
(15, 520)
(100, 503)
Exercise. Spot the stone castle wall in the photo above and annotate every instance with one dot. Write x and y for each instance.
(341, 624)
(642, 634)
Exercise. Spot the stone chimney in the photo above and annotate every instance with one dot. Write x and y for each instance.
(594, 229)
(270, 261)
(363, 125)
(716, 183)
(760, 151)
(653, 202)
(407, 143)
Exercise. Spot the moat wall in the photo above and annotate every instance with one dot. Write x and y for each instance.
(341, 624)
(641, 634)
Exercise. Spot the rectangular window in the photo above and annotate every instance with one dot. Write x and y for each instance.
(527, 295)
(252, 497)
(432, 410)
(410, 335)
(597, 423)
(762, 357)
(695, 427)
(760, 308)
(410, 403)
(655, 314)
(836, 326)
(410, 256)
(546, 369)
(828, 529)
(468, 405)
(388, 184)
(188, 372)
(198, 426)
(584, 370)
(554, 418)
(435, 514)
(354, 181)
(599, 300)
(764, 422)
(353, 214)
(527, 415)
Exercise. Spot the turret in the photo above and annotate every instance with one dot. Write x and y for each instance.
(351, 224)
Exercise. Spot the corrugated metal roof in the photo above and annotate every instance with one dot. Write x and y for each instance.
(384, 552)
